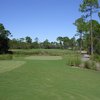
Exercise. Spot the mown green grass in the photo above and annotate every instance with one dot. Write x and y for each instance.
(8, 65)
(49, 80)
(44, 58)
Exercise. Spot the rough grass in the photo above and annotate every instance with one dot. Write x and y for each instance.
(9, 65)
(44, 58)
(49, 52)
(49, 80)
(6, 57)
(73, 59)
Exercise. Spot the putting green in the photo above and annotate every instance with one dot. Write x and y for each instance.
(44, 58)
(9, 65)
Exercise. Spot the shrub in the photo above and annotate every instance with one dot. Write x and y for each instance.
(73, 60)
(97, 58)
(90, 65)
(6, 57)
(87, 65)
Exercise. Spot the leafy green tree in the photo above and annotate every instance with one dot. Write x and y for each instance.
(46, 44)
(35, 44)
(36, 39)
(96, 36)
(81, 28)
(28, 39)
(19, 44)
(21, 39)
(72, 43)
(4, 40)
(13, 43)
(54, 45)
(66, 42)
(89, 7)
(60, 39)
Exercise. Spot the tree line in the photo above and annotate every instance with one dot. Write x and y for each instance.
(27, 43)
(4, 40)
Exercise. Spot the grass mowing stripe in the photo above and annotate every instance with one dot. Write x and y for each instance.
(10, 65)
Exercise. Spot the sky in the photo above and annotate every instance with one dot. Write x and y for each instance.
(45, 19)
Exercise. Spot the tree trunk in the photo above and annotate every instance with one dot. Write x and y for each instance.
(91, 33)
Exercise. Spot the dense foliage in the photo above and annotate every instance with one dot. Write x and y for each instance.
(89, 29)
(4, 39)
(63, 43)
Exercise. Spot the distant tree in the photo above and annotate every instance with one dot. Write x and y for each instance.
(4, 39)
(19, 44)
(60, 39)
(36, 39)
(66, 42)
(28, 39)
(46, 44)
(21, 39)
(35, 44)
(54, 45)
(72, 43)
(13, 43)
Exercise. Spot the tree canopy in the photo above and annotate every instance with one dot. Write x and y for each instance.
(4, 39)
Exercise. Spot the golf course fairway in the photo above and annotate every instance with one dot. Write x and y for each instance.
(47, 80)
